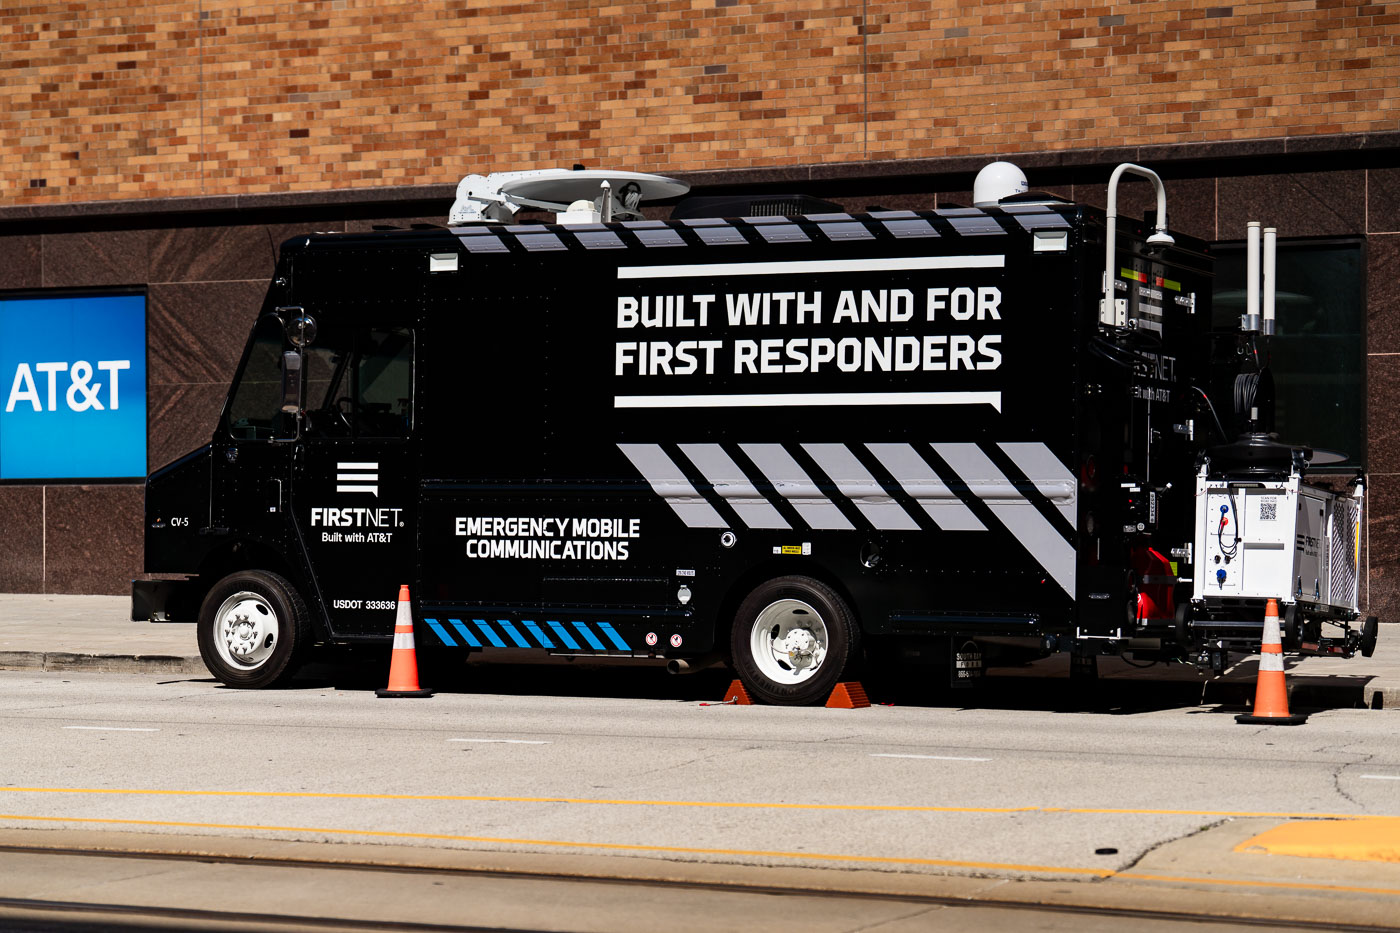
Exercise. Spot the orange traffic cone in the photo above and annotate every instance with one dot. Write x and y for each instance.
(1271, 689)
(403, 666)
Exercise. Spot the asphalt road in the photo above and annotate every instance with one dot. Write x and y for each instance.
(1158, 798)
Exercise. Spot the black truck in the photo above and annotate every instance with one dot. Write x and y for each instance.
(781, 442)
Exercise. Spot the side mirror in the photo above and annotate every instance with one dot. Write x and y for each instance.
(291, 381)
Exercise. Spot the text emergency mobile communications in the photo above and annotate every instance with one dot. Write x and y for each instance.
(781, 441)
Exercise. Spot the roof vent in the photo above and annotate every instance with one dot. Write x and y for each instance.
(766, 205)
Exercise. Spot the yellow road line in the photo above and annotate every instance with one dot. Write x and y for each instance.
(610, 846)
(483, 798)
(717, 804)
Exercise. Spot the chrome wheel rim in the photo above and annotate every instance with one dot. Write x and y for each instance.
(789, 641)
(246, 630)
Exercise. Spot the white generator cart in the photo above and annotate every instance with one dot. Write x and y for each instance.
(1261, 534)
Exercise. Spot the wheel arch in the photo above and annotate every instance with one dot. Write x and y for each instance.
(767, 570)
(245, 554)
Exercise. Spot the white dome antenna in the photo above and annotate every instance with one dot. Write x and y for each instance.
(997, 180)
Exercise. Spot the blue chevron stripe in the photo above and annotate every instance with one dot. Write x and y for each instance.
(564, 636)
(591, 638)
(465, 633)
(515, 636)
(441, 632)
(540, 636)
(489, 632)
(615, 638)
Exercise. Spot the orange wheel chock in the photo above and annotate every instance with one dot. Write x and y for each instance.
(848, 695)
(737, 695)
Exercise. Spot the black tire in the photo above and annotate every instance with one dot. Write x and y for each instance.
(1370, 630)
(237, 618)
(787, 602)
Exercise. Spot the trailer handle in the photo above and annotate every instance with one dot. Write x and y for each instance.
(1159, 240)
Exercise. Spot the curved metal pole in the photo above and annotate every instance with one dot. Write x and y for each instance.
(1106, 308)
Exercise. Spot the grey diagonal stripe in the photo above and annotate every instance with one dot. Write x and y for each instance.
(1052, 479)
(794, 485)
(670, 484)
(855, 483)
(917, 478)
(731, 483)
(1020, 517)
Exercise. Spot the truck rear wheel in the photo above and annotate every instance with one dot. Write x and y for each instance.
(252, 628)
(792, 639)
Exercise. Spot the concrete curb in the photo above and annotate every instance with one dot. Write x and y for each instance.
(69, 661)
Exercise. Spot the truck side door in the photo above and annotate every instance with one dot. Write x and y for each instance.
(354, 477)
(252, 452)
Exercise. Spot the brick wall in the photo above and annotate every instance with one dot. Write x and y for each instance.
(121, 99)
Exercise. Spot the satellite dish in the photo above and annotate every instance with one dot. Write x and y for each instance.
(563, 186)
(1322, 457)
(498, 196)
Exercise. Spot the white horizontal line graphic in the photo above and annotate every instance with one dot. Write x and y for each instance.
(504, 741)
(810, 266)
(112, 728)
(357, 466)
(357, 477)
(794, 399)
(369, 489)
(933, 757)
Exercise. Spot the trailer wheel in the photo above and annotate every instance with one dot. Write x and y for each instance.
(792, 639)
(253, 626)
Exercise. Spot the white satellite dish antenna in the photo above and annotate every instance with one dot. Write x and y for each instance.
(607, 194)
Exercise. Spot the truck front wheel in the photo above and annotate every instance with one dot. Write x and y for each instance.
(252, 628)
(792, 639)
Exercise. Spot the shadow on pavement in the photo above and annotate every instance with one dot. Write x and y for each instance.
(1042, 686)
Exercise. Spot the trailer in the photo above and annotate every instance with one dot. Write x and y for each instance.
(793, 444)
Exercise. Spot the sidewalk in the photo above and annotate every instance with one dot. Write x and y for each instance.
(93, 633)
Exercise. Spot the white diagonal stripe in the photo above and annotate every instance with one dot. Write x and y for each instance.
(731, 483)
(1020, 517)
(918, 479)
(668, 482)
(794, 485)
(1052, 479)
(857, 484)
(811, 266)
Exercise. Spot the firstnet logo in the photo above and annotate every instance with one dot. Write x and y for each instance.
(357, 477)
(82, 392)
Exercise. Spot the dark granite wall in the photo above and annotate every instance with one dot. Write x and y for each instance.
(205, 265)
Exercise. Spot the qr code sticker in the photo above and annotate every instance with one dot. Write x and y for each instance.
(1268, 510)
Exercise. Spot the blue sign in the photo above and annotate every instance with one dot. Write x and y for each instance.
(73, 387)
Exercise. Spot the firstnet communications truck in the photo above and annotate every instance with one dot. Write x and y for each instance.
(795, 444)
